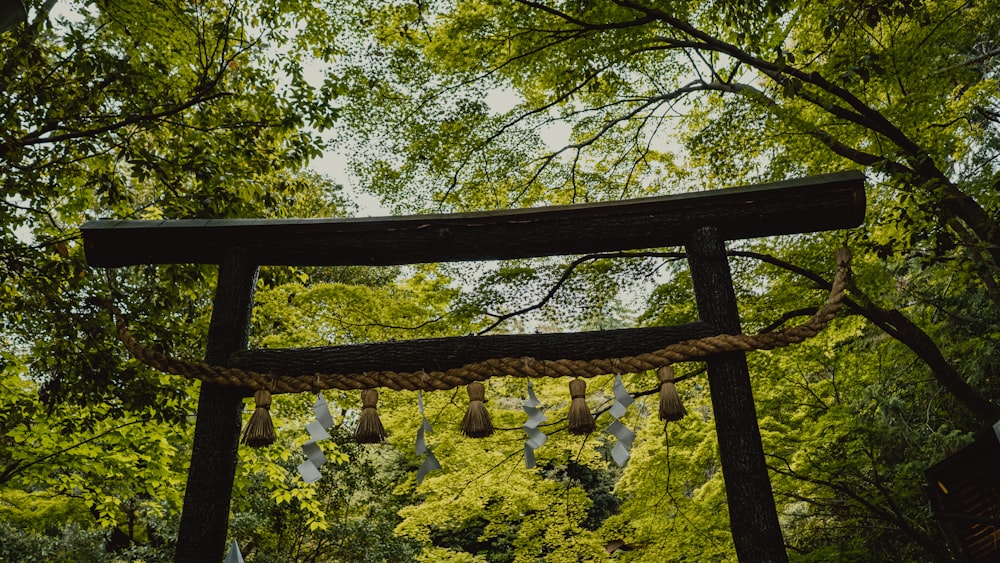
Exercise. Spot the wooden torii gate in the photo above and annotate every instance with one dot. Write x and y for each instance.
(701, 222)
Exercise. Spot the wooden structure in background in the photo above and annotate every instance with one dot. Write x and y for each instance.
(964, 490)
(701, 222)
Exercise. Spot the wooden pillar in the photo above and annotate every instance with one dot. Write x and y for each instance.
(205, 517)
(752, 513)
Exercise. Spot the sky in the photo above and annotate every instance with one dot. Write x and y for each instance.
(334, 164)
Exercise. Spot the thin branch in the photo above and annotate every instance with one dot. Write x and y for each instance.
(897, 325)
(587, 25)
(789, 315)
(380, 324)
(19, 467)
(132, 120)
(888, 515)
(567, 273)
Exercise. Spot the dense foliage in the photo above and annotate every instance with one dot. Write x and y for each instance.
(132, 109)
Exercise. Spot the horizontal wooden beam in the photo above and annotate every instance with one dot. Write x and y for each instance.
(819, 203)
(440, 354)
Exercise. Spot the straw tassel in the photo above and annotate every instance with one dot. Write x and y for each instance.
(370, 430)
(259, 431)
(477, 423)
(671, 407)
(580, 419)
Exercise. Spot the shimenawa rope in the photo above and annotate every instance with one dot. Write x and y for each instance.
(498, 367)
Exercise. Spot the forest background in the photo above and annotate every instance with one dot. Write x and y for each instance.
(142, 109)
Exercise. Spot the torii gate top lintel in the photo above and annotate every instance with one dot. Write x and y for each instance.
(832, 201)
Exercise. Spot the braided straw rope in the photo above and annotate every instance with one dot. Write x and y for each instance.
(498, 367)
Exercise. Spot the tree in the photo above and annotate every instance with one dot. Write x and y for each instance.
(635, 65)
(75, 478)
(139, 110)
(348, 515)
(145, 111)
(703, 94)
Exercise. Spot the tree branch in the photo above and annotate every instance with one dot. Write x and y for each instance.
(900, 327)
(18, 467)
(131, 120)
(888, 515)
(587, 25)
(567, 273)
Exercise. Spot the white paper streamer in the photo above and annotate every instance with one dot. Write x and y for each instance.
(620, 452)
(322, 410)
(536, 438)
(309, 471)
(430, 462)
(314, 454)
(234, 555)
(315, 458)
(316, 431)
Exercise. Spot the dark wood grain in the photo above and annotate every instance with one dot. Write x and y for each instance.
(806, 205)
(440, 354)
(752, 513)
(205, 517)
